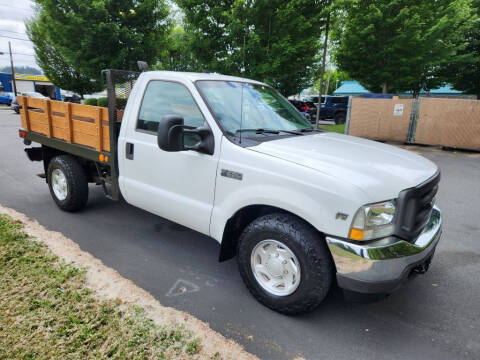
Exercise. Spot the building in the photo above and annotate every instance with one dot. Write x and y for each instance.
(30, 83)
(354, 88)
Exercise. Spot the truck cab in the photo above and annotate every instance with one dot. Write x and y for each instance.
(301, 209)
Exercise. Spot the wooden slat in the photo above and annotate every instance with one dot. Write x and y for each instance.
(57, 106)
(84, 139)
(87, 111)
(37, 117)
(99, 134)
(37, 103)
(84, 127)
(106, 142)
(22, 100)
(59, 133)
(59, 121)
(68, 116)
(48, 114)
(39, 128)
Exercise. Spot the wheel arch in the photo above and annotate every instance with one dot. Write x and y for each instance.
(240, 220)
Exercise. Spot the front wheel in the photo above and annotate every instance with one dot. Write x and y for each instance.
(340, 118)
(285, 263)
(68, 183)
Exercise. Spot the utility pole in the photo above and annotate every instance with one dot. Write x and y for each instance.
(325, 45)
(328, 81)
(13, 70)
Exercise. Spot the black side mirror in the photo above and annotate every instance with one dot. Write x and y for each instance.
(170, 133)
(171, 136)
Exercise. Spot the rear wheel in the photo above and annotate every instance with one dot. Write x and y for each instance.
(284, 263)
(68, 183)
(340, 118)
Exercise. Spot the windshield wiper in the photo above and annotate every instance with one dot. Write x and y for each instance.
(259, 131)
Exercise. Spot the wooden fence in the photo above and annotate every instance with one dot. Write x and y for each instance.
(430, 121)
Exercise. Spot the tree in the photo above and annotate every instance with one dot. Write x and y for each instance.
(87, 36)
(394, 46)
(275, 41)
(178, 55)
(336, 79)
(55, 66)
(463, 69)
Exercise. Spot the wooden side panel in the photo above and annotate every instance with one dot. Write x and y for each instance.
(74, 123)
(37, 103)
(37, 117)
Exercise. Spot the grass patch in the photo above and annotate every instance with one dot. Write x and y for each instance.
(340, 128)
(47, 312)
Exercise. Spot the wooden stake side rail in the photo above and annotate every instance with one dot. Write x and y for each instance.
(73, 123)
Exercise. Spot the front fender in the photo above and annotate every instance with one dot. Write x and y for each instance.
(268, 180)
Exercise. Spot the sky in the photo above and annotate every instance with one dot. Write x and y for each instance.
(13, 13)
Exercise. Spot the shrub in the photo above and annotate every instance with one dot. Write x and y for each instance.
(103, 102)
(91, 101)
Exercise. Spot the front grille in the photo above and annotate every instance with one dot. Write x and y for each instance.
(414, 208)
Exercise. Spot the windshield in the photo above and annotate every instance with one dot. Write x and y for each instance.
(244, 106)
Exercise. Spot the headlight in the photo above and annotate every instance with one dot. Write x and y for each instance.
(373, 221)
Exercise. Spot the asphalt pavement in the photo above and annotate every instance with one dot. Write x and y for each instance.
(434, 316)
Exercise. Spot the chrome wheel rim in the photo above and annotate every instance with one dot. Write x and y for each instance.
(59, 184)
(275, 267)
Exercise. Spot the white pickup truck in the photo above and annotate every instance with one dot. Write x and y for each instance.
(301, 209)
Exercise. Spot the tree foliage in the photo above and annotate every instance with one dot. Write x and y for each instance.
(394, 46)
(85, 36)
(57, 68)
(463, 69)
(275, 41)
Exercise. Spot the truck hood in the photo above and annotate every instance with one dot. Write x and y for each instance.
(380, 170)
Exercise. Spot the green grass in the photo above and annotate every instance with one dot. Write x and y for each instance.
(47, 312)
(334, 128)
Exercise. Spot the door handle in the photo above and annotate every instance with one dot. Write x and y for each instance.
(129, 151)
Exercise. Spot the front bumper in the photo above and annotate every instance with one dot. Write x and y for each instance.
(381, 266)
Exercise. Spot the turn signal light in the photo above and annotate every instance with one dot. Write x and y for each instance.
(356, 234)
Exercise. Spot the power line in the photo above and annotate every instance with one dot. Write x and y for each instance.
(15, 38)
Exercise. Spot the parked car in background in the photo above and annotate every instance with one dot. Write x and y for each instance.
(72, 98)
(15, 106)
(332, 107)
(6, 97)
(34, 94)
(306, 108)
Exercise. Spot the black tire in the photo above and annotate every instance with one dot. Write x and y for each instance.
(76, 179)
(307, 245)
(340, 118)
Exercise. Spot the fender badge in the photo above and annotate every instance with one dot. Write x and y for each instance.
(232, 174)
(341, 216)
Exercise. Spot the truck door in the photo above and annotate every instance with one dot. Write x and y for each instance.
(178, 186)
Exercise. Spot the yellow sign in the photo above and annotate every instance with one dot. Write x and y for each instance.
(31, 77)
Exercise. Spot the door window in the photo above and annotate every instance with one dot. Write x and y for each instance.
(167, 98)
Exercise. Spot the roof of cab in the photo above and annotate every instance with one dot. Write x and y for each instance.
(193, 76)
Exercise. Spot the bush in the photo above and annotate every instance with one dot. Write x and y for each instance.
(91, 101)
(121, 102)
(103, 102)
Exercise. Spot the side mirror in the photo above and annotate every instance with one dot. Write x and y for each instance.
(170, 133)
(171, 136)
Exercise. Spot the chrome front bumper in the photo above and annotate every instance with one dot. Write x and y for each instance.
(381, 266)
